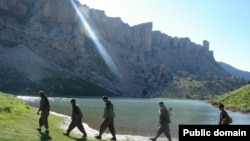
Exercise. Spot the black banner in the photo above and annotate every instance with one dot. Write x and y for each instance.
(214, 132)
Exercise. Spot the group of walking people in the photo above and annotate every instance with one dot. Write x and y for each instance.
(76, 117)
(108, 118)
(107, 122)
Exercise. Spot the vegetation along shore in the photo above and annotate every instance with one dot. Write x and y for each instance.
(237, 100)
(19, 120)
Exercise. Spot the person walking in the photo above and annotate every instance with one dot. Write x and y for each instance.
(76, 119)
(164, 121)
(108, 119)
(224, 117)
(44, 108)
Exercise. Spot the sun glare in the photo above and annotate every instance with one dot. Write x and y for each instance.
(104, 54)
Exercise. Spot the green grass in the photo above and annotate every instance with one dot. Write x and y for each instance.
(191, 89)
(18, 122)
(238, 99)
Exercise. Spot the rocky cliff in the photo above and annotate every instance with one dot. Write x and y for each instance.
(67, 48)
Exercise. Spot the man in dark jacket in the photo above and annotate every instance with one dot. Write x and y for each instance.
(224, 117)
(164, 120)
(76, 119)
(44, 108)
(108, 119)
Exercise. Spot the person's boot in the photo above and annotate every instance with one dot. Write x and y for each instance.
(47, 131)
(84, 136)
(98, 137)
(39, 129)
(152, 139)
(66, 134)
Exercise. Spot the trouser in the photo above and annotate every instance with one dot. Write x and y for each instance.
(77, 122)
(43, 120)
(107, 123)
(163, 128)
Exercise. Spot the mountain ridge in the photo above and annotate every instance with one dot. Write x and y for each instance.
(149, 63)
(236, 72)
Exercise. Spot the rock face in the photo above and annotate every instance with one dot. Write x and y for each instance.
(45, 44)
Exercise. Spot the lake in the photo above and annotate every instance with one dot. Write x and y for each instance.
(139, 116)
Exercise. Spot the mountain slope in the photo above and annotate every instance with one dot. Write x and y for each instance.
(65, 53)
(237, 100)
(234, 71)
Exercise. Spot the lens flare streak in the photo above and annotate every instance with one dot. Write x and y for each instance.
(104, 54)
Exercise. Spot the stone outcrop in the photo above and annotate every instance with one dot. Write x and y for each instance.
(45, 44)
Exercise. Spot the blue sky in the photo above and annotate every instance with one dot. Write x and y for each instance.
(224, 23)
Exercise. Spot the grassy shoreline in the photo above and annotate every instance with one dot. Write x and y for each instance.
(236, 101)
(19, 122)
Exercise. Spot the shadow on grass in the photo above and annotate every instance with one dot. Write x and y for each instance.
(45, 136)
(80, 139)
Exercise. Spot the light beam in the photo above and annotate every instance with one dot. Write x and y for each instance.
(104, 54)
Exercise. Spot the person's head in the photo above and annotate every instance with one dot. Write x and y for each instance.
(42, 94)
(73, 101)
(105, 98)
(161, 104)
(221, 106)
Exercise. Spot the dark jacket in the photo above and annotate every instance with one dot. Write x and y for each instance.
(76, 111)
(109, 110)
(224, 118)
(44, 104)
(164, 116)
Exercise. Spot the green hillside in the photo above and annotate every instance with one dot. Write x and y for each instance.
(237, 100)
(18, 122)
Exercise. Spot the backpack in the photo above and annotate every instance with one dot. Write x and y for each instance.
(230, 120)
(226, 121)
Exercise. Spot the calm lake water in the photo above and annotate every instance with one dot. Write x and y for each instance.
(138, 116)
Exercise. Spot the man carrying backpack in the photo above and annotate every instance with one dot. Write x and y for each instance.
(224, 117)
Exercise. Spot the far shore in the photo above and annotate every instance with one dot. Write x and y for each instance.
(233, 109)
(92, 132)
